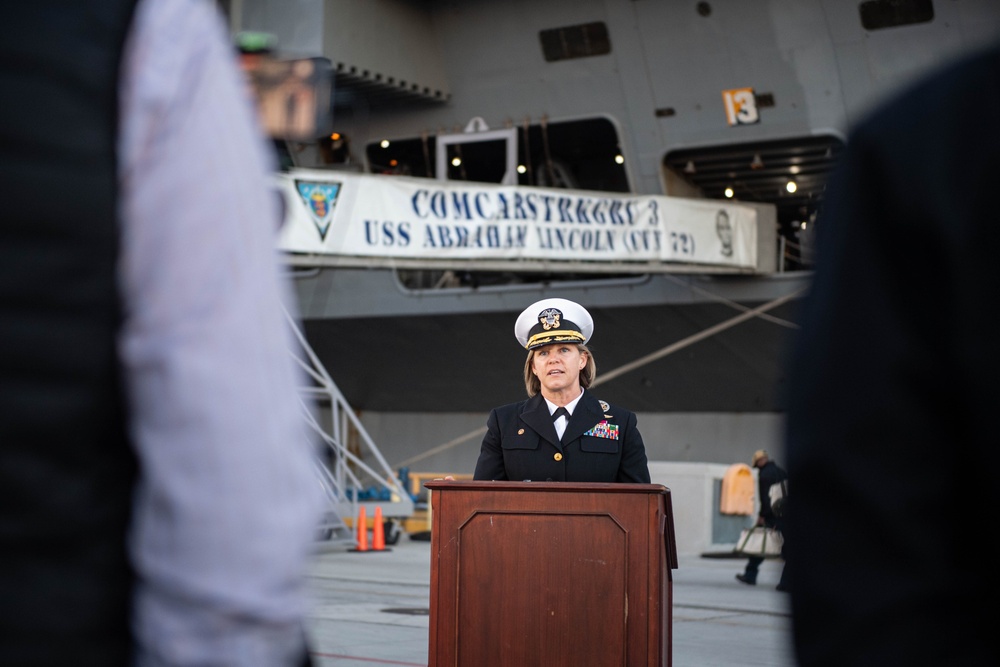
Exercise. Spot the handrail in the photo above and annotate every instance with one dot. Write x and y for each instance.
(345, 474)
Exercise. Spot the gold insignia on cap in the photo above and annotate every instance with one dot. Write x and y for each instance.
(550, 318)
(604, 406)
(520, 431)
(558, 456)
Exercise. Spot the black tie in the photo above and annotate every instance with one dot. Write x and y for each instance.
(560, 412)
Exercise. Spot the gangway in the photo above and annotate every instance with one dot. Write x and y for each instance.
(349, 479)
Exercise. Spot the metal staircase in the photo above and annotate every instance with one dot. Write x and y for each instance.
(350, 479)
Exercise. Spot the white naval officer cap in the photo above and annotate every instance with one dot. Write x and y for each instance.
(553, 321)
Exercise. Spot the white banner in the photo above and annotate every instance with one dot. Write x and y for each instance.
(360, 215)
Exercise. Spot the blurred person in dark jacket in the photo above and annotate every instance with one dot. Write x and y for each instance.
(891, 438)
(157, 497)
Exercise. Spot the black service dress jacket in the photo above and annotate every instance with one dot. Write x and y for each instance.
(601, 444)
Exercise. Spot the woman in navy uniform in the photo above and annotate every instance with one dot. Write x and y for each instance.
(562, 433)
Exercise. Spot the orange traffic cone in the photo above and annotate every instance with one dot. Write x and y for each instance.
(362, 527)
(378, 531)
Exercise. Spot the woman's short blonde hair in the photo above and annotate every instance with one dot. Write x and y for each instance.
(587, 374)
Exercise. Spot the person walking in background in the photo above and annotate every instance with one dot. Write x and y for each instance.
(562, 433)
(157, 498)
(891, 436)
(768, 474)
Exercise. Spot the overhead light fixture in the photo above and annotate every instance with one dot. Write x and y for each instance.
(620, 159)
(791, 186)
(689, 167)
(756, 162)
(384, 143)
(729, 193)
(456, 161)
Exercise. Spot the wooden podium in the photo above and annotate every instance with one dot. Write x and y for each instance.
(553, 574)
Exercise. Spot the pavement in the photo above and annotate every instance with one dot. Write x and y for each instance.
(370, 609)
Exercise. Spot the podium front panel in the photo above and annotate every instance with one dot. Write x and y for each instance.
(552, 574)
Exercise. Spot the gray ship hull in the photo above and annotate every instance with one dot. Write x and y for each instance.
(664, 343)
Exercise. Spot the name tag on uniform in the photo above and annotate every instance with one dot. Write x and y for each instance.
(604, 430)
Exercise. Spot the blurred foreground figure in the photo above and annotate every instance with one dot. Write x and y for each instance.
(892, 441)
(156, 494)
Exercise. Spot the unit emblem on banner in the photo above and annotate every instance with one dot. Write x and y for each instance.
(724, 229)
(320, 199)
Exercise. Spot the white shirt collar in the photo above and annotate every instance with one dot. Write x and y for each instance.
(570, 407)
